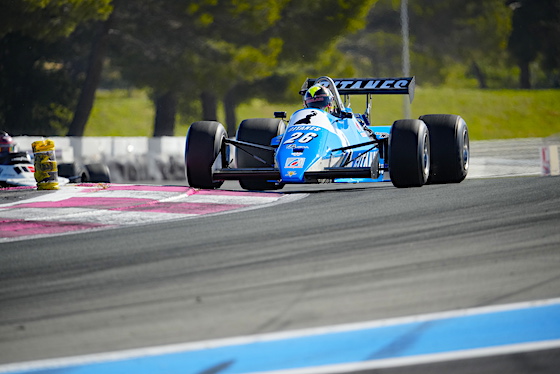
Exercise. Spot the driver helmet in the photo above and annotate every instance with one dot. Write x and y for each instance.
(319, 97)
(7, 144)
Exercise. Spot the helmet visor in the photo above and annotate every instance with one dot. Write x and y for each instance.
(319, 101)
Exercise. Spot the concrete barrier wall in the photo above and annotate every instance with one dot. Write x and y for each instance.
(128, 158)
(92, 148)
(509, 157)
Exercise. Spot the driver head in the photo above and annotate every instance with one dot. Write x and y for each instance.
(319, 97)
(7, 144)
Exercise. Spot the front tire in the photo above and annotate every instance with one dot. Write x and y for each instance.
(450, 152)
(409, 153)
(260, 131)
(203, 146)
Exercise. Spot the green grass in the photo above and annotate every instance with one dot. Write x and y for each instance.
(496, 114)
(121, 113)
(490, 114)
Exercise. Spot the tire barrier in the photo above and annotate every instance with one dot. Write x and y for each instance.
(147, 168)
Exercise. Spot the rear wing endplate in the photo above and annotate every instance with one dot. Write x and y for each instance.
(364, 86)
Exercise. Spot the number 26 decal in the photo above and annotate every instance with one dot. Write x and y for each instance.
(301, 137)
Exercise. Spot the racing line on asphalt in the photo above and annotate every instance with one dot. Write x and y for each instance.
(445, 336)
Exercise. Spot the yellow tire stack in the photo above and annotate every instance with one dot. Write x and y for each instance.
(46, 170)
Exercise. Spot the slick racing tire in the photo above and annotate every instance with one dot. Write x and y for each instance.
(260, 131)
(78, 173)
(450, 152)
(97, 173)
(75, 172)
(409, 153)
(203, 146)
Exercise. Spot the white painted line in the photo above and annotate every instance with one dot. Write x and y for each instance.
(138, 194)
(226, 199)
(175, 348)
(121, 218)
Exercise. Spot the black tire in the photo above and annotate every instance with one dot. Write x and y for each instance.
(260, 131)
(203, 146)
(450, 150)
(75, 172)
(97, 173)
(409, 153)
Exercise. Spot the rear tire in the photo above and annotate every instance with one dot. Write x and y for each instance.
(450, 150)
(260, 131)
(409, 153)
(203, 146)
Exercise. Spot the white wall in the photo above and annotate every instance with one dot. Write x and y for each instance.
(128, 158)
(104, 148)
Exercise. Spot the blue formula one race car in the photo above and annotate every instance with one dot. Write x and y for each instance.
(327, 142)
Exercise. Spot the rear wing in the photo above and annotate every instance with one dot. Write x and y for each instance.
(365, 86)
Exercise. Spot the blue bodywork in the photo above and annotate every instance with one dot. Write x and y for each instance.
(317, 146)
(313, 142)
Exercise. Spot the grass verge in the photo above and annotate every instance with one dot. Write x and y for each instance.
(490, 114)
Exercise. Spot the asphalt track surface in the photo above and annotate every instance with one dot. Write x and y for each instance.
(341, 254)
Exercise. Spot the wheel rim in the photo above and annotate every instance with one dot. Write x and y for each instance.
(217, 164)
(466, 151)
(426, 157)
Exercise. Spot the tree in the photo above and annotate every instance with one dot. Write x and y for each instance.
(148, 43)
(49, 20)
(310, 31)
(42, 60)
(468, 35)
(208, 50)
(376, 49)
(36, 90)
(179, 50)
(185, 51)
(92, 78)
(535, 35)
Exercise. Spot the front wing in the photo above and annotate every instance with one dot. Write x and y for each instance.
(274, 174)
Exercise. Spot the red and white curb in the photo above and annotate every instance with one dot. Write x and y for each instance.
(98, 206)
